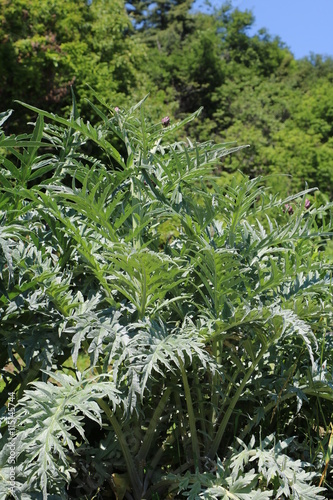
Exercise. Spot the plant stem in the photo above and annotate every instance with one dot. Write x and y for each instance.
(135, 215)
(201, 405)
(191, 417)
(143, 292)
(180, 430)
(221, 430)
(151, 431)
(217, 348)
(136, 483)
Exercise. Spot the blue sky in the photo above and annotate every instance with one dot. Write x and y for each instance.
(305, 26)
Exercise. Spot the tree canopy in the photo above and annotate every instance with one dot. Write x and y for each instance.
(46, 47)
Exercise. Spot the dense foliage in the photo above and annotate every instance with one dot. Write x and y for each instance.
(166, 306)
(252, 89)
(47, 47)
(204, 314)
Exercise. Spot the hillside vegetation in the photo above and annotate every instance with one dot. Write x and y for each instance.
(252, 89)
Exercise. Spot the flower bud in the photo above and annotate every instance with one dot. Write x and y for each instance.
(165, 121)
(289, 209)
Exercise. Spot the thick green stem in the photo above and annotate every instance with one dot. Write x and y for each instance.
(136, 483)
(217, 354)
(143, 293)
(229, 388)
(135, 215)
(214, 396)
(180, 427)
(151, 431)
(221, 430)
(191, 417)
(201, 405)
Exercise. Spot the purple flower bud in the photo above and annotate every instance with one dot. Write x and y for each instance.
(289, 209)
(165, 121)
(116, 109)
(307, 204)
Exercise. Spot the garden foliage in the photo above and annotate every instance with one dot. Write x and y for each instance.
(204, 314)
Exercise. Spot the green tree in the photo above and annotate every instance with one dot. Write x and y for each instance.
(155, 17)
(289, 129)
(213, 64)
(47, 47)
(252, 91)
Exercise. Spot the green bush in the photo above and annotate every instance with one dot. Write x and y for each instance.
(205, 312)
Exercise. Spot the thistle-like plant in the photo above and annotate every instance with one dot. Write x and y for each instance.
(204, 314)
